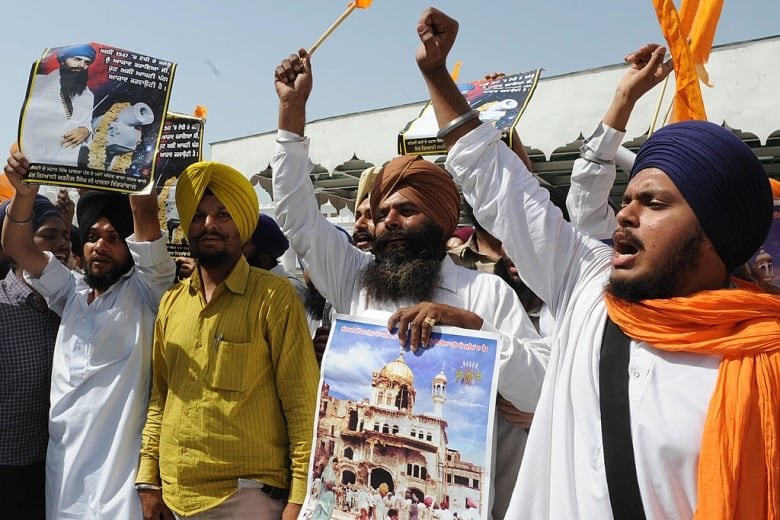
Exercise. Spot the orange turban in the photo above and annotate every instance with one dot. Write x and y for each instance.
(424, 184)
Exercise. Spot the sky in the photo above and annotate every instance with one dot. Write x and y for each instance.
(226, 51)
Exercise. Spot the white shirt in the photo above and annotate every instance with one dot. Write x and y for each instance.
(100, 384)
(562, 476)
(335, 267)
(45, 121)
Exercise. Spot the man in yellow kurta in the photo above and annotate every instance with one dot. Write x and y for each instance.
(234, 386)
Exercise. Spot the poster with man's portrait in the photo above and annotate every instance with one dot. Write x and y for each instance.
(500, 102)
(93, 116)
(403, 431)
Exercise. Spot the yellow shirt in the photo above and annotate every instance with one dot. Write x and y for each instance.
(234, 391)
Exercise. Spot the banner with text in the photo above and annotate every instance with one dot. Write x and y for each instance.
(181, 144)
(93, 116)
(500, 102)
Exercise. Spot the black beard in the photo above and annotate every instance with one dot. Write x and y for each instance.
(315, 302)
(411, 271)
(212, 259)
(72, 82)
(681, 260)
(103, 282)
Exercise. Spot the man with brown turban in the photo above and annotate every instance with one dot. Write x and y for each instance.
(408, 277)
(234, 383)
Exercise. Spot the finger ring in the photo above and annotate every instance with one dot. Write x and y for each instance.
(430, 321)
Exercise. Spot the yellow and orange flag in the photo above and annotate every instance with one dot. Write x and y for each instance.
(689, 35)
(200, 111)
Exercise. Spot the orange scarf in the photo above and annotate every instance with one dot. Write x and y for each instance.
(739, 462)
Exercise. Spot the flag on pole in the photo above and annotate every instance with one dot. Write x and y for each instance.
(689, 35)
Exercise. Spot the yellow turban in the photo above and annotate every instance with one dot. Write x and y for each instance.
(427, 185)
(365, 183)
(227, 184)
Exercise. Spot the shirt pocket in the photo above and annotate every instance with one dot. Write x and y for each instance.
(231, 370)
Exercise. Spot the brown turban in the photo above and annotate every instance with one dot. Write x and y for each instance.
(426, 185)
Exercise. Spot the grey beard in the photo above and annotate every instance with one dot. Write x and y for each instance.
(415, 279)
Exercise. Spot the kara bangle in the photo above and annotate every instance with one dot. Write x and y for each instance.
(147, 487)
(19, 222)
(457, 122)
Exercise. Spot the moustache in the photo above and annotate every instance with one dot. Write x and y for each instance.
(211, 234)
(624, 238)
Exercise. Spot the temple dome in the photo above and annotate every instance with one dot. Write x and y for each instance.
(398, 371)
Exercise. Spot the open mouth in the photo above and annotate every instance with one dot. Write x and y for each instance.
(626, 248)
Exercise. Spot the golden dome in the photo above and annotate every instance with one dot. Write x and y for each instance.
(398, 371)
(440, 378)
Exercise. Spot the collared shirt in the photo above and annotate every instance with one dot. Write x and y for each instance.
(335, 267)
(100, 383)
(563, 474)
(469, 256)
(27, 333)
(234, 391)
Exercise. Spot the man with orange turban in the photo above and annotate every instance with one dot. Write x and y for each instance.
(234, 382)
(408, 279)
(661, 400)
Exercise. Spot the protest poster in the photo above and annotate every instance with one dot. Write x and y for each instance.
(93, 116)
(762, 263)
(500, 102)
(181, 144)
(401, 430)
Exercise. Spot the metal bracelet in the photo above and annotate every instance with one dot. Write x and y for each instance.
(20, 222)
(147, 487)
(457, 122)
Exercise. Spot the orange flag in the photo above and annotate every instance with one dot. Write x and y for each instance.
(688, 102)
(363, 4)
(699, 20)
(200, 111)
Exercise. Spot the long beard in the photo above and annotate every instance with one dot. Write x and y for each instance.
(681, 260)
(72, 82)
(410, 272)
(315, 302)
(103, 282)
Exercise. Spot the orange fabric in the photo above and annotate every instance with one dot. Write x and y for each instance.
(739, 462)
(775, 187)
(426, 185)
(701, 31)
(6, 190)
(363, 4)
(688, 103)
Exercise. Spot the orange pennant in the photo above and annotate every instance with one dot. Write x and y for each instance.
(362, 4)
(200, 111)
(688, 103)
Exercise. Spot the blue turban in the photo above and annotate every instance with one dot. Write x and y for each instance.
(85, 50)
(268, 238)
(43, 210)
(721, 179)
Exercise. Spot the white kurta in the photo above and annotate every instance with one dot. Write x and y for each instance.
(100, 385)
(562, 476)
(335, 267)
(45, 121)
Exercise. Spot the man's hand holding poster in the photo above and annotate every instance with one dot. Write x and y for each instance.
(401, 430)
(93, 116)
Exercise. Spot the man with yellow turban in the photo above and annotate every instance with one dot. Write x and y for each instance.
(234, 383)
(408, 279)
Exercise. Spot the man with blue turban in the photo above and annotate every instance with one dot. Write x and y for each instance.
(660, 400)
(56, 121)
(234, 383)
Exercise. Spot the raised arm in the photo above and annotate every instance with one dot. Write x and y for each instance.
(593, 174)
(437, 32)
(146, 226)
(17, 238)
(333, 264)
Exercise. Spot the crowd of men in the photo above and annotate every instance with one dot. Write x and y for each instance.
(636, 380)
